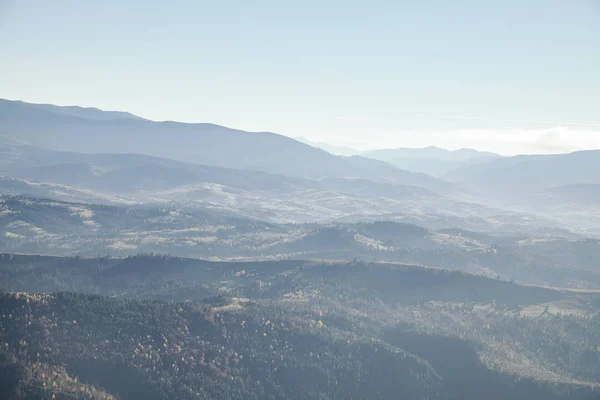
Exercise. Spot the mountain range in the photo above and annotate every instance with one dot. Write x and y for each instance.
(527, 174)
(162, 260)
(71, 130)
(80, 153)
(432, 160)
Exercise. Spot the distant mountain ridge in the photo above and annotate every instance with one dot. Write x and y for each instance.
(431, 152)
(528, 174)
(89, 154)
(34, 163)
(84, 112)
(330, 148)
(431, 160)
(142, 179)
(73, 130)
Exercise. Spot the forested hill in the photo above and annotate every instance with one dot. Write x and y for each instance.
(183, 279)
(153, 350)
(95, 347)
(173, 328)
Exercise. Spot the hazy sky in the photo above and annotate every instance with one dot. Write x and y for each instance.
(511, 76)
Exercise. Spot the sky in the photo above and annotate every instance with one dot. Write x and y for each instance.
(512, 76)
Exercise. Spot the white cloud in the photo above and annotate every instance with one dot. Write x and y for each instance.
(558, 139)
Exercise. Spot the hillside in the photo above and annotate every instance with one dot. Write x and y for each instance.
(123, 173)
(337, 150)
(260, 196)
(429, 153)
(84, 112)
(29, 225)
(202, 143)
(243, 330)
(513, 177)
(577, 204)
(431, 160)
(135, 178)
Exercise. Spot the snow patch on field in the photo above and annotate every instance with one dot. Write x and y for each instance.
(460, 241)
(155, 239)
(534, 241)
(204, 239)
(122, 246)
(370, 242)
(86, 214)
(13, 235)
(19, 224)
(81, 212)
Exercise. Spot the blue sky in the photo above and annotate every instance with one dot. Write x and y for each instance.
(512, 76)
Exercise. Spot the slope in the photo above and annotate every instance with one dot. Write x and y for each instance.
(30, 225)
(201, 143)
(249, 330)
(517, 176)
(431, 160)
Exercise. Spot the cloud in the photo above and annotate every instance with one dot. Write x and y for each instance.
(509, 141)
(584, 123)
(518, 141)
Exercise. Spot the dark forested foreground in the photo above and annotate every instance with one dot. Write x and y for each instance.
(158, 327)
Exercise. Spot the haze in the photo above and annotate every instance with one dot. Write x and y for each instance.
(510, 77)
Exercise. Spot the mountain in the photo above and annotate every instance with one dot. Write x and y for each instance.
(207, 144)
(577, 204)
(428, 153)
(127, 178)
(132, 179)
(128, 172)
(31, 225)
(84, 112)
(431, 160)
(17, 187)
(561, 186)
(569, 195)
(337, 150)
(163, 327)
(383, 169)
(517, 176)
